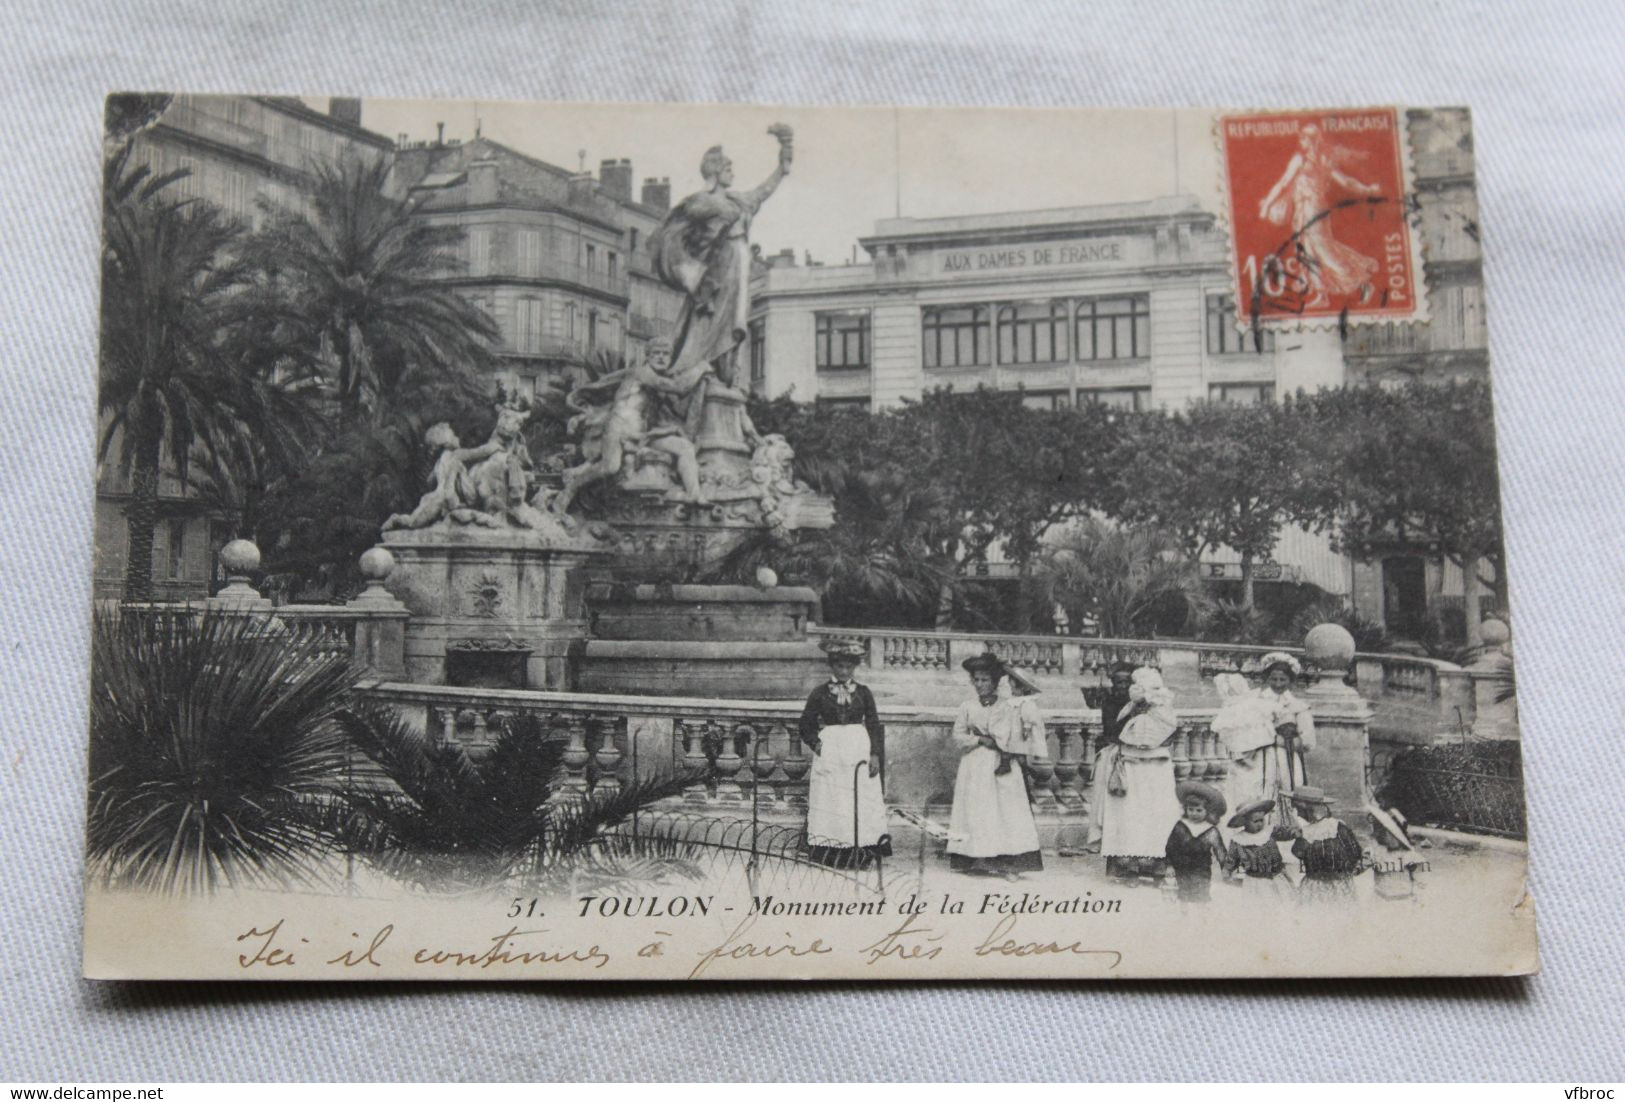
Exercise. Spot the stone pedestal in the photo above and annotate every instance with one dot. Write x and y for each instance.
(1339, 761)
(492, 607)
(734, 642)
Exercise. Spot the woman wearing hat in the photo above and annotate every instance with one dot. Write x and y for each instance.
(1267, 757)
(846, 810)
(1139, 806)
(991, 831)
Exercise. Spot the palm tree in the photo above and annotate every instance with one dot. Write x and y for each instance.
(1122, 577)
(361, 279)
(213, 747)
(167, 283)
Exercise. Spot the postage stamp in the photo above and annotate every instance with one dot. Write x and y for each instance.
(1321, 216)
(800, 560)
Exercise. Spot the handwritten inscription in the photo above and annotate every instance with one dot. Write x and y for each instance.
(927, 933)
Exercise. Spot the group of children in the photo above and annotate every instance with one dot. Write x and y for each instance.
(1326, 850)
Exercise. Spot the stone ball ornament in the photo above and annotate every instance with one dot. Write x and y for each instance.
(376, 563)
(1494, 633)
(766, 577)
(1329, 647)
(240, 557)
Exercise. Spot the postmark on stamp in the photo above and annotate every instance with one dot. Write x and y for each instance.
(1320, 217)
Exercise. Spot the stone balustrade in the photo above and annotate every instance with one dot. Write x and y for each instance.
(745, 757)
(1412, 698)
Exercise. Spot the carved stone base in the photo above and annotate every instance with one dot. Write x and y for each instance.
(734, 642)
(504, 604)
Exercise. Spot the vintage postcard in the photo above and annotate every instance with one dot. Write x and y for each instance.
(589, 541)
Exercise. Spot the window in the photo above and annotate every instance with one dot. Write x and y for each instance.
(758, 353)
(570, 322)
(1032, 332)
(1223, 338)
(609, 259)
(528, 325)
(177, 549)
(592, 329)
(528, 245)
(592, 258)
(843, 341)
(1241, 394)
(479, 251)
(956, 336)
(1136, 398)
(1045, 399)
(1114, 328)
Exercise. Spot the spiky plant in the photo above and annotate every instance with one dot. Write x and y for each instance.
(213, 744)
(442, 819)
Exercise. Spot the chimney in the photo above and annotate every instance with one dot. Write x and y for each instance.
(345, 109)
(439, 133)
(482, 181)
(615, 177)
(582, 186)
(656, 193)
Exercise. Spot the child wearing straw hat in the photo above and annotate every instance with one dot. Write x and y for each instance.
(1254, 857)
(1194, 844)
(1326, 848)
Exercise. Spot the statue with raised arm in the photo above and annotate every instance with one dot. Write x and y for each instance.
(642, 406)
(703, 250)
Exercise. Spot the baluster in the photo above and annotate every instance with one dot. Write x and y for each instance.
(797, 762)
(447, 718)
(1067, 764)
(695, 762)
(608, 758)
(479, 739)
(765, 762)
(1180, 745)
(728, 764)
(1043, 777)
(573, 783)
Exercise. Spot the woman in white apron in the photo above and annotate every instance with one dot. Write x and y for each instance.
(846, 810)
(1266, 754)
(991, 831)
(1139, 807)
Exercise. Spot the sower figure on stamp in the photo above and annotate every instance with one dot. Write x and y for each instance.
(846, 807)
(1303, 199)
(991, 831)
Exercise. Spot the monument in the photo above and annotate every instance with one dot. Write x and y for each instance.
(495, 583)
(672, 463)
(601, 585)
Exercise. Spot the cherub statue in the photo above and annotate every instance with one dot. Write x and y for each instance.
(635, 415)
(454, 495)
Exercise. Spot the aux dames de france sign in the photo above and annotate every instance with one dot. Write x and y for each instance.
(1085, 252)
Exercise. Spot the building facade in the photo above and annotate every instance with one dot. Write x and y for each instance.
(559, 259)
(236, 151)
(1129, 305)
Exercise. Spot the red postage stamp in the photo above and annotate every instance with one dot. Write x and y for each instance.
(1319, 215)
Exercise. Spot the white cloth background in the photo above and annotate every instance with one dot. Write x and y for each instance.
(1546, 84)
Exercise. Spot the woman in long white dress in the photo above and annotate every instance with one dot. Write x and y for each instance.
(991, 831)
(1140, 805)
(846, 808)
(1266, 757)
